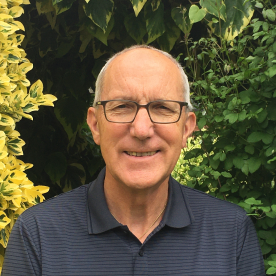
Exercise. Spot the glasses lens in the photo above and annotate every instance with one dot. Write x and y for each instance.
(120, 111)
(164, 111)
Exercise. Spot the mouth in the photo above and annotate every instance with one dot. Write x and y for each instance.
(140, 154)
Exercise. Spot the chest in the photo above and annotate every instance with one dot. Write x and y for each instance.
(119, 253)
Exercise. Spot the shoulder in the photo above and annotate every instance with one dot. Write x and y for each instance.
(58, 206)
(202, 203)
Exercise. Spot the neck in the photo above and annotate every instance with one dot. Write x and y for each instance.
(140, 209)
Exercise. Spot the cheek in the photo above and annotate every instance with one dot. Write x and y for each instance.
(111, 135)
(173, 136)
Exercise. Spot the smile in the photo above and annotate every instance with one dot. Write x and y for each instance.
(133, 153)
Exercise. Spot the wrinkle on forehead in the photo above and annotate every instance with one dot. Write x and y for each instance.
(142, 66)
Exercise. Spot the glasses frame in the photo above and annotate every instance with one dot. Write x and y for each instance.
(181, 104)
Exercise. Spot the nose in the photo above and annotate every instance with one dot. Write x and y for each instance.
(142, 126)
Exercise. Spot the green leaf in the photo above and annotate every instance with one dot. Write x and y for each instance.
(246, 207)
(71, 114)
(265, 209)
(271, 71)
(13, 59)
(242, 115)
(270, 221)
(245, 167)
(265, 249)
(255, 137)
(55, 166)
(253, 201)
(135, 26)
(271, 215)
(259, 5)
(238, 15)
(269, 162)
(238, 162)
(62, 5)
(222, 156)
(218, 118)
(226, 174)
(201, 123)
(225, 188)
(249, 149)
(215, 7)
(270, 151)
(214, 163)
(267, 138)
(232, 117)
(254, 164)
(265, 234)
(270, 15)
(138, 5)
(155, 4)
(229, 147)
(262, 116)
(100, 12)
(196, 14)
(167, 40)
(65, 46)
(98, 32)
(75, 176)
(154, 22)
(181, 19)
(271, 270)
(271, 241)
(271, 110)
(216, 174)
(4, 237)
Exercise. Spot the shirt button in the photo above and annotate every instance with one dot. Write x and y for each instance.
(141, 253)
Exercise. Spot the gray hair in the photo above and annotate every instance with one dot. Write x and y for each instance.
(100, 78)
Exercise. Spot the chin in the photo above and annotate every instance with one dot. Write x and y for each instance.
(143, 183)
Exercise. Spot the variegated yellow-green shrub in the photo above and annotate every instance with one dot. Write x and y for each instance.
(17, 192)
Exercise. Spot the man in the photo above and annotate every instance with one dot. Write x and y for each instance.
(134, 219)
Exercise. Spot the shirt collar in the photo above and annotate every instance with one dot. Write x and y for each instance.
(177, 215)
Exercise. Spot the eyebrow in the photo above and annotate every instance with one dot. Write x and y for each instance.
(135, 100)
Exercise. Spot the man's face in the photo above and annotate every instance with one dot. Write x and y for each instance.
(140, 75)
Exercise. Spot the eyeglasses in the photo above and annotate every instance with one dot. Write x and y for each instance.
(160, 112)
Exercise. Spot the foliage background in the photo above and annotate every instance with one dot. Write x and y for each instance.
(17, 192)
(69, 41)
(234, 154)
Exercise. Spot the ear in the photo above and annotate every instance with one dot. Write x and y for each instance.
(189, 127)
(92, 122)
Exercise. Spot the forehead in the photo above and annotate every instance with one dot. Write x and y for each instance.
(142, 74)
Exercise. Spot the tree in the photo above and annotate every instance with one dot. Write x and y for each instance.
(69, 42)
(17, 192)
(234, 158)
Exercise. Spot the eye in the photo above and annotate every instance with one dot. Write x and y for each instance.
(123, 106)
(120, 106)
(162, 107)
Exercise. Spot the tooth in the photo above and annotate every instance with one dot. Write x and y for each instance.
(139, 154)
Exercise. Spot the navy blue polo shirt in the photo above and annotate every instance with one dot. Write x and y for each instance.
(75, 234)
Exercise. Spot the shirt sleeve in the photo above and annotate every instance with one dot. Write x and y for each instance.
(250, 260)
(22, 258)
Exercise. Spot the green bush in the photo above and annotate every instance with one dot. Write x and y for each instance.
(234, 88)
(17, 192)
